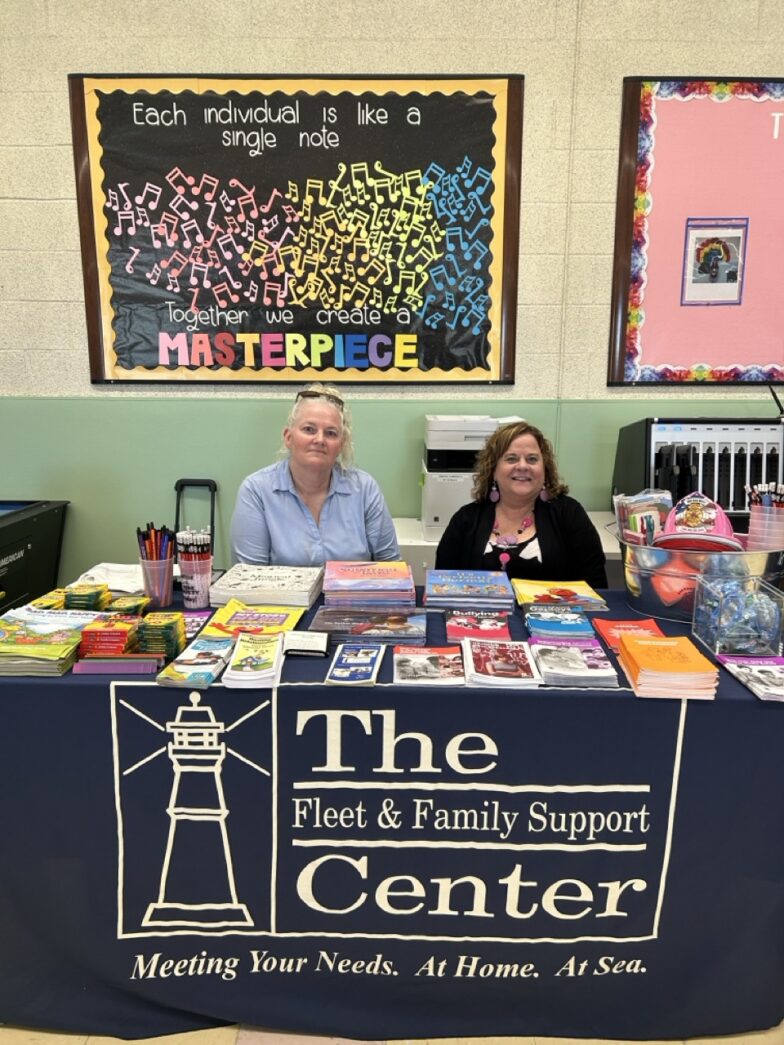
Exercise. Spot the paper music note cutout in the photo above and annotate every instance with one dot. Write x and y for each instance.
(178, 258)
(212, 183)
(173, 283)
(197, 235)
(178, 180)
(155, 275)
(223, 294)
(129, 264)
(293, 192)
(205, 274)
(125, 217)
(150, 190)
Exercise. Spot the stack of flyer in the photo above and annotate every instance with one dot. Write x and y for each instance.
(199, 665)
(468, 589)
(575, 594)
(573, 662)
(428, 665)
(508, 664)
(255, 662)
(670, 666)
(396, 624)
(764, 676)
(263, 585)
(355, 664)
(41, 642)
(368, 584)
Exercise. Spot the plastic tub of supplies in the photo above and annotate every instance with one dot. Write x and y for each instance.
(660, 582)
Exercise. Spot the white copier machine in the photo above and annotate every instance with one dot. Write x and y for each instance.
(452, 442)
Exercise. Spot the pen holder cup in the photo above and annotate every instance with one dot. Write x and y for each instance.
(196, 577)
(661, 582)
(158, 575)
(766, 528)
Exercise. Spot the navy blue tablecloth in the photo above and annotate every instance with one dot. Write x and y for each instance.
(390, 862)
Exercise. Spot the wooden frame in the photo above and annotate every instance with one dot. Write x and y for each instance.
(250, 229)
(695, 294)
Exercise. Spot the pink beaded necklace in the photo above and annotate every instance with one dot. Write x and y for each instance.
(509, 540)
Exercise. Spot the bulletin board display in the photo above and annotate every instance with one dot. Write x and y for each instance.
(699, 225)
(251, 229)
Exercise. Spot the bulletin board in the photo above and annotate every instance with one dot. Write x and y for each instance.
(696, 293)
(250, 229)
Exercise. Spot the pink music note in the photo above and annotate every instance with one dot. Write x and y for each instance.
(226, 201)
(114, 200)
(205, 275)
(179, 202)
(210, 223)
(143, 217)
(228, 238)
(206, 179)
(223, 295)
(233, 225)
(176, 263)
(252, 293)
(125, 217)
(173, 284)
(127, 205)
(235, 183)
(191, 225)
(247, 199)
(154, 191)
(155, 275)
(291, 214)
(178, 180)
(249, 231)
(133, 257)
(194, 299)
(280, 292)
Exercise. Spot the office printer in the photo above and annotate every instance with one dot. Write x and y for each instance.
(452, 442)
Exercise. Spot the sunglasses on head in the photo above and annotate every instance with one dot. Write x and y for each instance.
(308, 393)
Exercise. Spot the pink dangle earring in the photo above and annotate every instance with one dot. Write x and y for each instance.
(544, 495)
(494, 494)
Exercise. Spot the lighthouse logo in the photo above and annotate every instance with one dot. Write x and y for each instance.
(193, 795)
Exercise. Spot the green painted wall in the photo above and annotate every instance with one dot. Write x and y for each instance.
(116, 460)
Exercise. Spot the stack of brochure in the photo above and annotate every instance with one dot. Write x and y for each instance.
(355, 664)
(764, 676)
(199, 665)
(468, 589)
(670, 666)
(610, 630)
(396, 624)
(261, 585)
(368, 584)
(255, 662)
(507, 664)
(428, 665)
(575, 594)
(573, 662)
(558, 622)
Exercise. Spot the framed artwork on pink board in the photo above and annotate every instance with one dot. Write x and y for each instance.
(699, 227)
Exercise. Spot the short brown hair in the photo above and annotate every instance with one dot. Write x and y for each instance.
(496, 446)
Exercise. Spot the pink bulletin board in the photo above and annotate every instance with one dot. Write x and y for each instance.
(699, 230)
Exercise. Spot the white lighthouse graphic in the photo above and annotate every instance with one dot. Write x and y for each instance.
(197, 887)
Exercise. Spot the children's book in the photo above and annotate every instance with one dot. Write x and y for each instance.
(476, 624)
(355, 664)
(609, 630)
(574, 662)
(428, 665)
(577, 594)
(268, 585)
(199, 665)
(368, 584)
(461, 589)
(507, 664)
(764, 676)
(255, 662)
(670, 666)
(235, 617)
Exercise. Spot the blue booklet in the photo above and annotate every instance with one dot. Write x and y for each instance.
(456, 588)
(355, 664)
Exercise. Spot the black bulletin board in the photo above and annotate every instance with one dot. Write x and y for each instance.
(286, 229)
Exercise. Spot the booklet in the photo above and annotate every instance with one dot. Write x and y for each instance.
(255, 662)
(355, 664)
(428, 665)
(574, 662)
(236, 617)
(764, 676)
(577, 594)
(610, 630)
(670, 666)
(476, 624)
(559, 621)
(199, 664)
(499, 663)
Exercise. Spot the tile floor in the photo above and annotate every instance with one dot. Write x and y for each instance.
(251, 1036)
